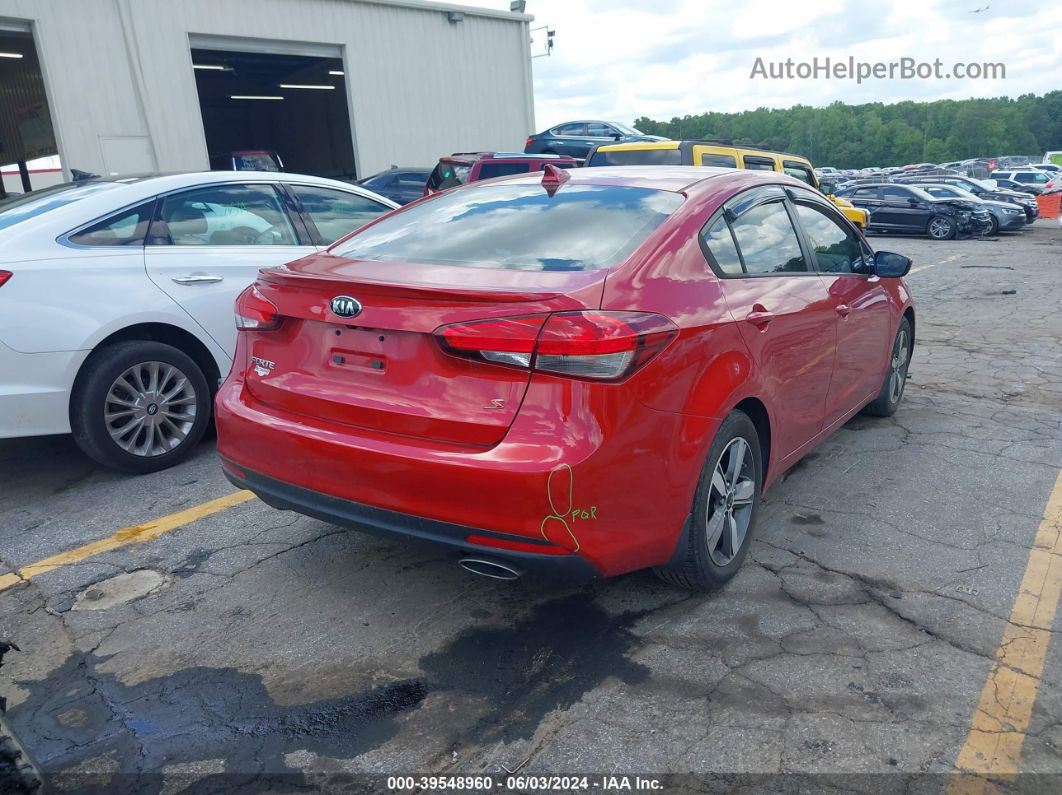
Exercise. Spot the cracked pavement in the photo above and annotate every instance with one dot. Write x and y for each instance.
(854, 642)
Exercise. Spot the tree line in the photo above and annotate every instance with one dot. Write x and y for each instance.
(879, 134)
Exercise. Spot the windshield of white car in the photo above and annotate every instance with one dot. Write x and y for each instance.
(31, 205)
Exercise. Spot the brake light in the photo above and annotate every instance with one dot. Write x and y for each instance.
(527, 143)
(255, 312)
(4, 276)
(598, 345)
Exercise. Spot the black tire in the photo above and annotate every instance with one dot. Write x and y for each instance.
(994, 230)
(93, 394)
(941, 227)
(694, 567)
(888, 399)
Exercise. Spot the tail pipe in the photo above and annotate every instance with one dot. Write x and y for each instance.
(491, 567)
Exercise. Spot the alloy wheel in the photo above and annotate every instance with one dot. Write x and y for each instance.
(730, 501)
(898, 366)
(150, 409)
(939, 228)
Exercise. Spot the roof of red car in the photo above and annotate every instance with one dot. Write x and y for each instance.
(672, 178)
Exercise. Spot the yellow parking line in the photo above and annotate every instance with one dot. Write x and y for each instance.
(997, 730)
(137, 534)
(952, 258)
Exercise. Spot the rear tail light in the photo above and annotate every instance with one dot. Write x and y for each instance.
(255, 312)
(4, 276)
(527, 143)
(605, 346)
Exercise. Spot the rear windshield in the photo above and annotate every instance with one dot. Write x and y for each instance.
(30, 205)
(636, 157)
(518, 227)
(447, 175)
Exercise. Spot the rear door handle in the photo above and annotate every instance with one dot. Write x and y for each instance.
(842, 310)
(198, 278)
(759, 317)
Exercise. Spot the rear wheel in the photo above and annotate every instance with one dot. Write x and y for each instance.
(940, 227)
(140, 406)
(888, 399)
(724, 509)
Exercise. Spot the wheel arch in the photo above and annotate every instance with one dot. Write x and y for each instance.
(909, 313)
(179, 338)
(757, 412)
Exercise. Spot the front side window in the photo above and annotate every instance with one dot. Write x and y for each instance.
(837, 248)
(767, 241)
(798, 170)
(571, 129)
(720, 161)
(897, 194)
(1033, 179)
(518, 227)
(488, 170)
(228, 215)
(127, 228)
(336, 213)
(866, 193)
(600, 131)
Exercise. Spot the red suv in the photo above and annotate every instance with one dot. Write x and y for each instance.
(596, 371)
(463, 167)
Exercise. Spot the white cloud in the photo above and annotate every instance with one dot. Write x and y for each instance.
(664, 58)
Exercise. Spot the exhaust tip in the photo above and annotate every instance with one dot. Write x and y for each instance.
(489, 567)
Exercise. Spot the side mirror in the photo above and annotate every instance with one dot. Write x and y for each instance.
(616, 136)
(891, 266)
(913, 201)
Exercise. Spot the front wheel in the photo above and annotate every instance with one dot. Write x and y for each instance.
(888, 399)
(940, 227)
(724, 510)
(140, 406)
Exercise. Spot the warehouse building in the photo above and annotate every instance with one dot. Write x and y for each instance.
(338, 88)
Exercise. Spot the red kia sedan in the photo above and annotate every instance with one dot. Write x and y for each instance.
(593, 371)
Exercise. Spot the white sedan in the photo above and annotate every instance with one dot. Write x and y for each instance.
(116, 299)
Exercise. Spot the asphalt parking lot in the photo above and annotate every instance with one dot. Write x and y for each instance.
(895, 619)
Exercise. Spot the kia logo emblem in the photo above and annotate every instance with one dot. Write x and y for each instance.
(345, 306)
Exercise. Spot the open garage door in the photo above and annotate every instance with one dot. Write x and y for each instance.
(293, 105)
(26, 131)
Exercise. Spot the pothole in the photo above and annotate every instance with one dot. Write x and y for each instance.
(121, 589)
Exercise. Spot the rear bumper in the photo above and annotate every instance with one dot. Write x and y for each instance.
(380, 522)
(616, 499)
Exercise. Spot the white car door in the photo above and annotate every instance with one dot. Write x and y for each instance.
(209, 243)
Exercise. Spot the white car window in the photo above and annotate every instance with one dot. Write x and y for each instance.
(228, 215)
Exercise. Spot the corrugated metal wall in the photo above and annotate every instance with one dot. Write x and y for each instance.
(121, 85)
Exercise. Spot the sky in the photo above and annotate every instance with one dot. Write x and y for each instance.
(622, 59)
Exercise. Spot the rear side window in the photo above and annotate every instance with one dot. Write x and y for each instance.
(637, 157)
(336, 213)
(722, 161)
(127, 228)
(768, 242)
(721, 247)
(488, 170)
(518, 227)
(758, 163)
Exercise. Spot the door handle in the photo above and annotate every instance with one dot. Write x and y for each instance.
(843, 310)
(197, 278)
(759, 317)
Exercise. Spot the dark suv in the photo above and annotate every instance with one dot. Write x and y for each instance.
(577, 138)
(907, 208)
(462, 167)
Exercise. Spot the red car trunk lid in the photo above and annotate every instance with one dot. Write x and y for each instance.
(383, 369)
